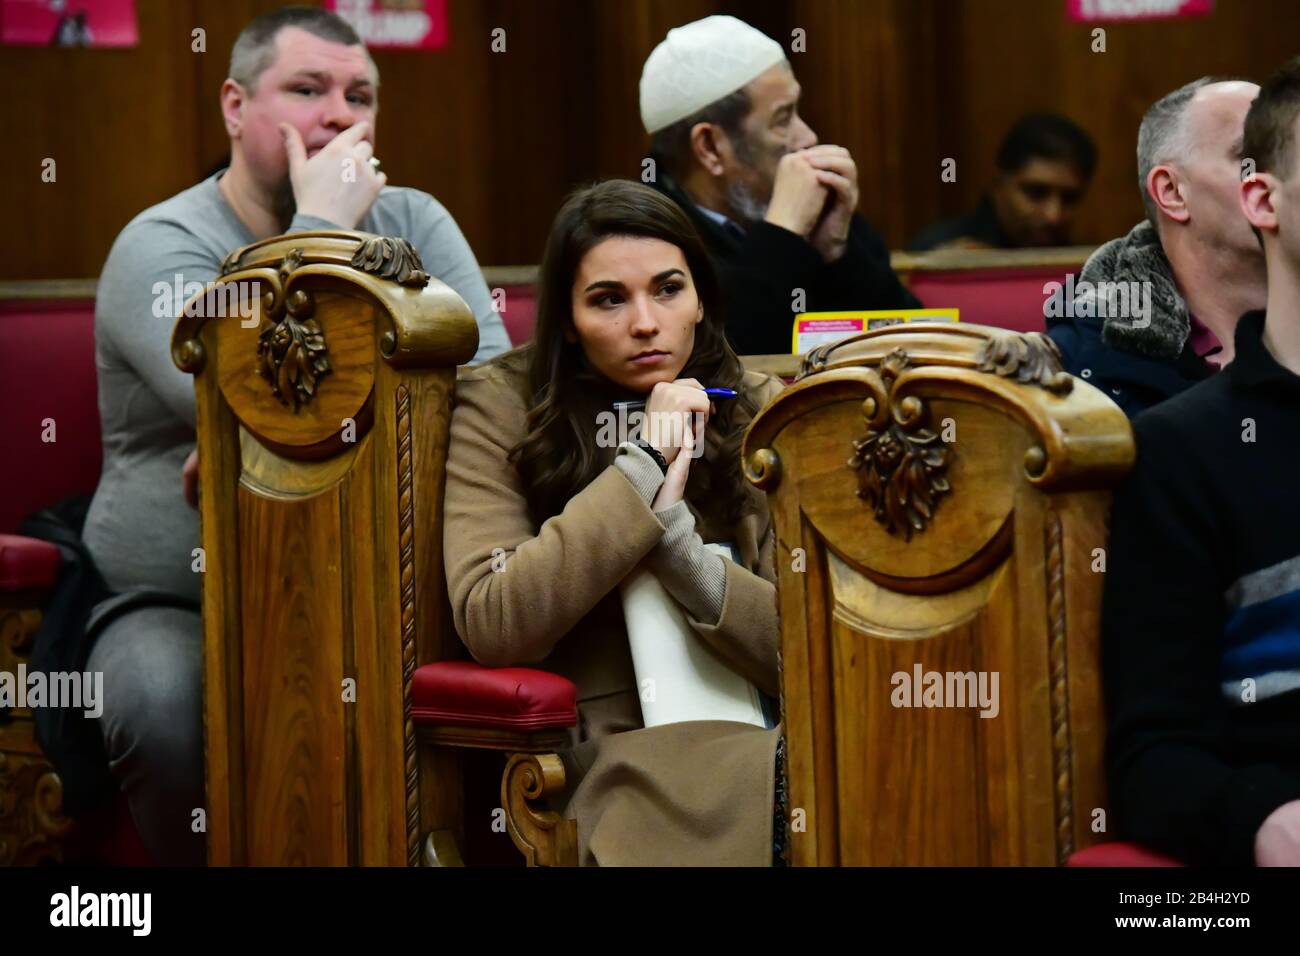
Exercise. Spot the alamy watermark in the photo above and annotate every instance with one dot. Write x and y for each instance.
(75, 690)
(133, 911)
(1103, 300)
(224, 300)
(958, 689)
(661, 429)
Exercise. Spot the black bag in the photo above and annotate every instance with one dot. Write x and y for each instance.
(79, 608)
(71, 741)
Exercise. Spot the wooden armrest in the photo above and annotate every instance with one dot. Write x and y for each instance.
(492, 738)
(461, 704)
(782, 366)
(544, 837)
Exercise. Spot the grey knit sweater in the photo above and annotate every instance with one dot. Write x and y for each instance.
(693, 575)
(139, 528)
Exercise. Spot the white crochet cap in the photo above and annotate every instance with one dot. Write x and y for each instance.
(700, 63)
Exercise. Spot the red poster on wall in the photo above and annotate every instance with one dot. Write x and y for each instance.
(1121, 11)
(68, 23)
(396, 24)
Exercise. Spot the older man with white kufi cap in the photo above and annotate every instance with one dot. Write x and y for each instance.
(776, 209)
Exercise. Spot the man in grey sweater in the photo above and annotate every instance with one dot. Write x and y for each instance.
(299, 105)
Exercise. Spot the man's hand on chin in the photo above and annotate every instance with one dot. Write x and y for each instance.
(338, 184)
(1277, 841)
(797, 197)
(836, 171)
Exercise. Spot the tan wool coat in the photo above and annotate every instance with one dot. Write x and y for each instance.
(696, 793)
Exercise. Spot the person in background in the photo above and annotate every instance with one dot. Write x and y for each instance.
(1186, 273)
(1201, 609)
(776, 208)
(1044, 167)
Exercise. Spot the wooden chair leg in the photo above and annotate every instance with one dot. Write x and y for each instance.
(543, 836)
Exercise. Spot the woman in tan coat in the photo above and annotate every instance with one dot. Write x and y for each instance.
(544, 519)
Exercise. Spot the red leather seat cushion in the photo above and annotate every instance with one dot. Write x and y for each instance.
(1120, 854)
(26, 563)
(465, 694)
(1003, 298)
(47, 371)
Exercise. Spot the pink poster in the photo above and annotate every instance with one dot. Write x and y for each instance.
(1120, 11)
(68, 23)
(396, 24)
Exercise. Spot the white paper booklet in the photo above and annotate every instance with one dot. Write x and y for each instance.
(678, 676)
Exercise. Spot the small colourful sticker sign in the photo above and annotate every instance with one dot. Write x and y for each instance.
(821, 328)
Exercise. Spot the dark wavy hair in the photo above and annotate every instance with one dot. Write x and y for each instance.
(558, 455)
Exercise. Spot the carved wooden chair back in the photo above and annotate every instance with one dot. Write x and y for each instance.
(324, 368)
(940, 495)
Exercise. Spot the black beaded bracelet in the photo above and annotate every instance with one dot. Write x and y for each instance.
(654, 453)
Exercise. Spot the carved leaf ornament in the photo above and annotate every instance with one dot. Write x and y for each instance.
(901, 463)
(291, 352)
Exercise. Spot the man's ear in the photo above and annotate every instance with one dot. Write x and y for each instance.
(233, 98)
(708, 148)
(1257, 193)
(1167, 193)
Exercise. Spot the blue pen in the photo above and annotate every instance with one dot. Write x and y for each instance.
(714, 393)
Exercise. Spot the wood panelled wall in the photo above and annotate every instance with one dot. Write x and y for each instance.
(499, 138)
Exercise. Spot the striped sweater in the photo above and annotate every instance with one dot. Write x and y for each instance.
(1261, 654)
(1201, 617)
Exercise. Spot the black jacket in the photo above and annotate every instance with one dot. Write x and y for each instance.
(79, 608)
(1137, 365)
(980, 224)
(1199, 640)
(1131, 380)
(760, 270)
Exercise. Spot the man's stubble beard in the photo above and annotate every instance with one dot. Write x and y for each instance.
(283, 203)
(741, 197)
(744, 203)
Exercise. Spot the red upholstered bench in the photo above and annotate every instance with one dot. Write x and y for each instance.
(47, 390)
(49, 426)
(49, 430)
(514, 295)
(1005, 298)
(997, 287)
(520, 313)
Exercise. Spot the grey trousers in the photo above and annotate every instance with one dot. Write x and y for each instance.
(152, 724)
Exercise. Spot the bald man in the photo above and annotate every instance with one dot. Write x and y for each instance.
(1155, 311)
